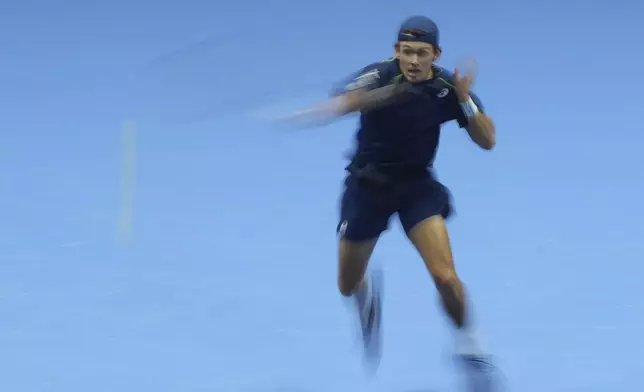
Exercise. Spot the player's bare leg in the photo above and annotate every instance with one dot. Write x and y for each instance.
(431, 239)
(353, 261)
(353, 258)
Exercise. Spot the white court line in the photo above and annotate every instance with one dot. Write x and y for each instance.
(128, 182)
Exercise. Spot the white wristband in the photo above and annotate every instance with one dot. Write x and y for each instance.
(469, 108)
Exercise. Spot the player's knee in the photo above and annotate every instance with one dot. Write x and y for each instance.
(441, 268)
(347, 287)
(446, 279)
(350, 275)
(354, 258)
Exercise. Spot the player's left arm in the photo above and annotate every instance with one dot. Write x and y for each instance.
(472, 115)
(479, 125)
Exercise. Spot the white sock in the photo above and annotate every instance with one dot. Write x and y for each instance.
(362, 297)
(467, 342)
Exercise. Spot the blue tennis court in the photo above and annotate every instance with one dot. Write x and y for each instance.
(198, 252)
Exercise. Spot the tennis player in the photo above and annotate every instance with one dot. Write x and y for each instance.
(403, 102)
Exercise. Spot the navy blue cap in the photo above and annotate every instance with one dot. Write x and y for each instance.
(419, 29)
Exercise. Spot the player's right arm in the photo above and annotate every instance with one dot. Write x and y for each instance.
(364, 91)
(361, 92)
(365, 100)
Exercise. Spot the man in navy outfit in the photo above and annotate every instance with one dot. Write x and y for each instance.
(403, 103)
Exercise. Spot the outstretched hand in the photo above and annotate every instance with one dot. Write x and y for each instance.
(464, 76)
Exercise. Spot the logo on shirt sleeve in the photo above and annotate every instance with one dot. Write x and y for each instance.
(364, 80)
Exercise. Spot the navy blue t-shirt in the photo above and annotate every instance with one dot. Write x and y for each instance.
(403, 136)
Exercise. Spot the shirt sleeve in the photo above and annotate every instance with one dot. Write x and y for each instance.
(367, 78)
(461, 118)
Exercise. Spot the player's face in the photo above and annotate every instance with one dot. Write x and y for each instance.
(416, 59)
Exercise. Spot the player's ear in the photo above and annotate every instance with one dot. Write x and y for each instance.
(437, 53)
(397, 50)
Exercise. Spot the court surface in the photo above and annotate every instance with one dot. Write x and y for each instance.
(226, 281)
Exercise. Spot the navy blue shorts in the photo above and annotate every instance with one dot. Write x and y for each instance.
(366, 207)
